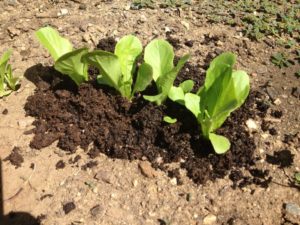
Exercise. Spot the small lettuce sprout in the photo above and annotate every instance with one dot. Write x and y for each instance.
(224, 91)
(117, 69)
(297, 177)
(169, 119)
(159, 54)
(8, 82)
(67, 60)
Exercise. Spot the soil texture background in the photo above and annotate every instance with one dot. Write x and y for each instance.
(86, 156)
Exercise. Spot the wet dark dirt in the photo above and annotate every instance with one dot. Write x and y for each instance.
(100, 121)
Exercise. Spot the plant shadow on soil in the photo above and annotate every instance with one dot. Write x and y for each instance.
(98, 120)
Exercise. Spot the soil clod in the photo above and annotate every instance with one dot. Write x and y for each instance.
(68, 207)
(5, 112)
(147, 170)
(15, 158)
(282, 158)
(89, 165)
(60, 164)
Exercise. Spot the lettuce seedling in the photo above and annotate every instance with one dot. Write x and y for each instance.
(224, 91)
(67, 60)
(8, 82)
(159, 54)
(117, 69)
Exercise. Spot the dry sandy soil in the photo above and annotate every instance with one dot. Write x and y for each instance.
(116, 191)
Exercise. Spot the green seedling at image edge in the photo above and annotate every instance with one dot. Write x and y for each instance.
(159, 54)
(297, 177)
(67, 60)
(224, 91)
(117, 69)
(281, 60)
(8, 82)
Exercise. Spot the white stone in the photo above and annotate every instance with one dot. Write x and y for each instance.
(185, 24)
(64, 12)
(209, 219)
(251, 124)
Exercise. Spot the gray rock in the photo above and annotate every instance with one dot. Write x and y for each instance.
(96, 210)
(105, 177)
(296, 92)
(272, 93)
(82, 6)
(12, 2)
(293, 209)
(13, 32)
(262, 70)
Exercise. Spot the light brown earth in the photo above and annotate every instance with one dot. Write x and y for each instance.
(121, 192)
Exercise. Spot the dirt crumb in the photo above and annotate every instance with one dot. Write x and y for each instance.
(147, 170)
(89, 165)
(68, 207)
(15, 158)
(46, 196)
(5, 112)
(75, 159)
(283, 158)
(60, 164)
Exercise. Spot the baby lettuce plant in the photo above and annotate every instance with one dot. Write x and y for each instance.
(67, 60)
(224, 91)
(8, 82)
(117, 69)
(159, 54)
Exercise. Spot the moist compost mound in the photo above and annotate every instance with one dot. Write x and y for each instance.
(98, 120)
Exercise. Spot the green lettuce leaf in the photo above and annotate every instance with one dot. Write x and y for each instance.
(160, 55)
(109, 66)
(223, 92)
(71, 65)
(127, 50)
(165, 82)
(192, 103)
(220, 143)
(187, 85)
(169, 119)
(8, 82)
(53, 42)
(176, 94)
(143, 79)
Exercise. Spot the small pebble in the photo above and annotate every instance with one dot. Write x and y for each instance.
(104, 176)
(82, 6)
(63, 12)
(135, 183)
(209, 219)
(23, 123)
(96, 210)
(251, 124)
(293, 209)
(185, 24)
(277, 101)
(173, 181)
(147, 170)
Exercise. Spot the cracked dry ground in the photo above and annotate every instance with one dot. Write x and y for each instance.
(51, 186)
